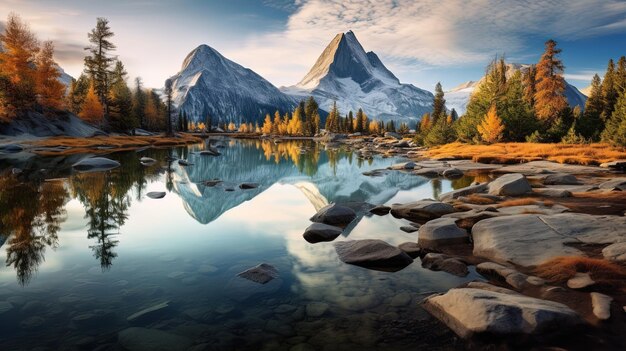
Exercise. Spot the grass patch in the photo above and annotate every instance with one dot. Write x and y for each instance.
(509, 153)
(478, 200)
(525, 202)
(561, 269)
(103, 144)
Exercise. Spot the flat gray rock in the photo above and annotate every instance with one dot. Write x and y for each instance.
(147, 161)
(421, 210)
(318, 232)
(513, 184)
(614, 184)
(334, 214)
(411, 249)
(439, 232)
(156, 194)
(452, 173)
(409, 229)
(380, 210)
(547, 167)
(472, 189)
(262, 274)
(95, 164)
(615, 252)
(371, 253)
(143, 339)
(445, 263)
(561, 179)
(529, 240)
(551, 192)
(471, 312)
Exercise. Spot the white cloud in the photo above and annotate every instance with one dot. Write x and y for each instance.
(426, 32)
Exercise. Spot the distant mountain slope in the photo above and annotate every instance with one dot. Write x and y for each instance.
(210, 84)
(345, 73)
(458, 97)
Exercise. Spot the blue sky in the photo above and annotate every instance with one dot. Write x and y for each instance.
(422, 42)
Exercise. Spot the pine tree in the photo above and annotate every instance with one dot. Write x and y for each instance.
(92, 110)
(440, 133)
(359, 121)
(404, 128)
(425, 123)
(312, 120)
(591, 124)
(50, 91)
(391, 127)
(151, 111)
(332, 120)
(168, 96)
(454, 115)
(609, 93)
(17, 74)
(615, 131)
(530, 85)
(491, 128)
(350, 122)
(98, 62)
(120, 101)
(76, 94)
(620, 75)
(516, 114)
(550, 98)
(439, 104)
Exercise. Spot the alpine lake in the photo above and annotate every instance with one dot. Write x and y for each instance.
(92, 263)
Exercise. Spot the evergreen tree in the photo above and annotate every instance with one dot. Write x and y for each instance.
(98, 62)
(391, 127)
(440, 133)
(516, 114)
(18, 47)
(550, 98)
(454, 115)
(591, 124)
(609, 93)
(620, 75)
(76, 94)
(139, 103)
(439, 104)
(350, 122)
(312, 123)
(491, 128)
(50, 91)
(120, 101)
(615, 131)
(530, 85)
(92, 110)
(332, 120)
(360, 120)
(168, 96)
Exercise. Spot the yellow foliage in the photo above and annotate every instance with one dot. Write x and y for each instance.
(49, 89)
(491, 127)
(92, 110)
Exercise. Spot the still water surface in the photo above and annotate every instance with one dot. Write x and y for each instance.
(84, 251)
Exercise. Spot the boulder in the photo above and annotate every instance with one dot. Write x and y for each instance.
(615, 252)
(334, 214)
(452, 173)
(529, 240)
(143, 339)
(551, 192)
(393, 135)
(472, 189)
(601, 305)
(421, 210)
(411, 249)
(262, 273)
(614, 184)
(619, 165)
(439, 232)
(507, 274)
(405, 165)
(147, 161)
(380, 210)
(561, 179)
(441, 262)
(513, 184)
(156, 194)
(318, 232)
(430, 172)
(95, 164)
(467, 219)
(489, 287)
(409, 229)
(471, 312)
(371, 253)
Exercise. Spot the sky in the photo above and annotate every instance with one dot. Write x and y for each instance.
(422, 42)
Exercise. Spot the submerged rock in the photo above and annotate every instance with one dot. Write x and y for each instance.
(262, 274)
(156, 194)
(421, 210)
(472, 189)
(147, 161)
(95, 164)
(11, 148)
(246, 186)
(411, 249)
(150, 314)
(334, 214)
(601, 305)
(210, 152)
(561, 179)
(318, 232)
(470, 312)
(371, 253)
(439, 232)
(513, 184)
(143, 339)
(184, 163)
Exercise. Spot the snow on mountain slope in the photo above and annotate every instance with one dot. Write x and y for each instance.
(355, 79)
(458, 97)
(210, 84)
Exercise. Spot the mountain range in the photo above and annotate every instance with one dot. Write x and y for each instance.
(459, 96)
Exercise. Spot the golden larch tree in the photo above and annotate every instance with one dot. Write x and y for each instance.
(550, 98)
(491, 128)
(50, 91)
(267, 125)
(92, 110)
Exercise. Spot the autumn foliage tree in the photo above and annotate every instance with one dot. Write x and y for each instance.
(491, 128)
(50, 91)
(550, 98)
(92, 110)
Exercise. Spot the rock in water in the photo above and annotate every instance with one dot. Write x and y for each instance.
(261, 274)
(370, 253)
(143, 339)
(210, 152)
(184, 163)
(513, 184)
(334, 214)
(380, 210)
(601, 305)
(147, 161)
(440, 262)
(561, 179)
(469, 312)
(441, 231)
(318, 232)
(246, 186)
(421, 210)
(11, 148)
(156, 194)
(95, 164)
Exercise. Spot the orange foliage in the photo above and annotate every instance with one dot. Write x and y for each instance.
(561, 269)
(92, 110)
(49, 89)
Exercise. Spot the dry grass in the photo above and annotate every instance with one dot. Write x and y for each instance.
(525, 202)
(508, 153)
(561, 269)
(478, 200)
(72, 145)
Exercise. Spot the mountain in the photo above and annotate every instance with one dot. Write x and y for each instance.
(345, 73)
(458, 97)
(210, 84)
